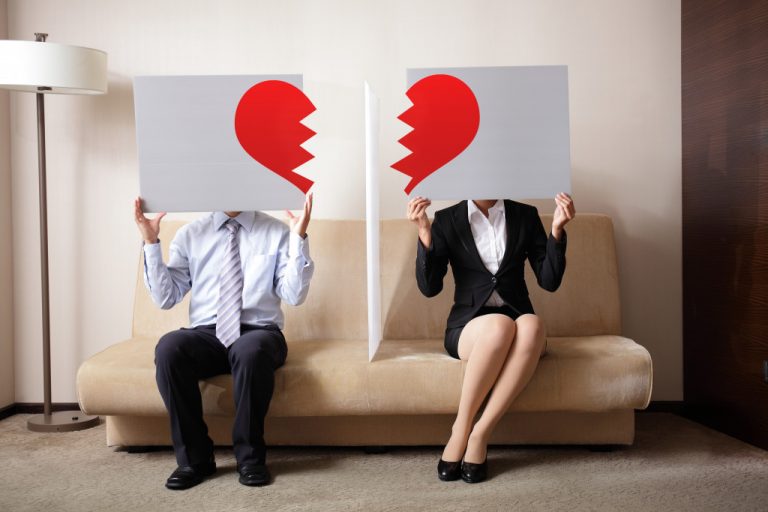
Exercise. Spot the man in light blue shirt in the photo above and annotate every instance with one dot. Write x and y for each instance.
(238, 266)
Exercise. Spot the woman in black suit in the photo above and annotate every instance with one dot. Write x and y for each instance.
(492, 325)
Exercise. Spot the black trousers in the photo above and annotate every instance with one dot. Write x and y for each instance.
(184, 357)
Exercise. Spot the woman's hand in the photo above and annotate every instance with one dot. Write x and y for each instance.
(149, 228)
(299, 223)
(564, 212)
(417, 213)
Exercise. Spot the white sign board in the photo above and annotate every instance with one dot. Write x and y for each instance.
(510, 141)
(207, 143)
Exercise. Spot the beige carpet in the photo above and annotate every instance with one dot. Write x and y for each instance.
(674, 465)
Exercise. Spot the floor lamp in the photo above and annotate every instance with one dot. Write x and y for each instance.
(48, 68)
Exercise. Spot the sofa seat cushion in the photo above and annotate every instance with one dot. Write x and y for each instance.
(334, 377)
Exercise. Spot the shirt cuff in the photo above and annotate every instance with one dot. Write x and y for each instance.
(563, 239)
(298, 246)
(421, 247)
(153, 254)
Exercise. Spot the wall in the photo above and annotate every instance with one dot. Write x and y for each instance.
(725, 214)
(6, 262)
(624, 61)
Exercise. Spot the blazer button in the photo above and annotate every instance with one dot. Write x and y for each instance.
(493, 279)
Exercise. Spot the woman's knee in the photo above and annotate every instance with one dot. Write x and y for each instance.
(531, 332)
(497, 332)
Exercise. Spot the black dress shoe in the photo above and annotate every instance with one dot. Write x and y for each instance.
(448, 471)
(474, 473)
(254, 474)
(185, 477)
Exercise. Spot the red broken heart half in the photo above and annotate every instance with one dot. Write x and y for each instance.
(268, 127)
(445, 117)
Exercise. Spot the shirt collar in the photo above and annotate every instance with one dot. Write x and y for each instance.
(245, 219)
(493, 211)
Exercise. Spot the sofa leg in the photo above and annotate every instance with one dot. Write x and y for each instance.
(142, 449)
(375, 450)
(603, 448)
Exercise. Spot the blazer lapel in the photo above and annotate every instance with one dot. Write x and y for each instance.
(513, 233)
(464, 231)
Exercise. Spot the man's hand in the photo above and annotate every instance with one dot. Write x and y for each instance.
(564, 212)
(149, 228)
(299, 223)
(417, 213)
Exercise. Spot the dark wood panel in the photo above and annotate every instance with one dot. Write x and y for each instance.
(725, 214)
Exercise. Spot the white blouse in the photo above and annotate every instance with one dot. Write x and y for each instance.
(490, 234)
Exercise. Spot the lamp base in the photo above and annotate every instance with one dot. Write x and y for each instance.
(62, 421)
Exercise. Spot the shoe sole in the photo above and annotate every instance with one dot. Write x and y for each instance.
(254, 484)
(203, 475)
(182, 487)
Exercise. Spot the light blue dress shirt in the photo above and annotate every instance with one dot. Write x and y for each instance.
(276, 266)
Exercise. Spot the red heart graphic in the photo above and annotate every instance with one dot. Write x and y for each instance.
(445, 118)
(268, 127)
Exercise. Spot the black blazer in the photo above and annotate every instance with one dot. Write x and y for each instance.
(452, 242)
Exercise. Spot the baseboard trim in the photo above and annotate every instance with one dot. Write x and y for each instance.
(671, 406)
(7, 411)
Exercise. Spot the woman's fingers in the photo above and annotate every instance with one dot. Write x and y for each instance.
(565, 204)
(419, 211)
(414, 205)
(418, 200)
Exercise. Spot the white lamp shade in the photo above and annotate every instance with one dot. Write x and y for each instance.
(29, 65)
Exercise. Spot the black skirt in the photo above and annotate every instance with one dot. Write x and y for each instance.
(452, 334)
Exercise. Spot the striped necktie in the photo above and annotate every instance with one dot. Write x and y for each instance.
(230, 289)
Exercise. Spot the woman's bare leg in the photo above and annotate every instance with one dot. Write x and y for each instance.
(521, 362)
(484, 344)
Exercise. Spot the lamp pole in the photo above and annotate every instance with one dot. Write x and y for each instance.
(63, 421)
(43, 189)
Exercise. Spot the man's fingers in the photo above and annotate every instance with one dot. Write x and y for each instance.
(138, 214)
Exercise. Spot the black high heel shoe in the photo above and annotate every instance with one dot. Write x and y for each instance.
(448, 471)
(474, 473)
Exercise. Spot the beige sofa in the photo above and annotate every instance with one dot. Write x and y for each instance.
(585, 390)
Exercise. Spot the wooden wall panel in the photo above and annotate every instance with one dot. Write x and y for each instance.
(725, 214)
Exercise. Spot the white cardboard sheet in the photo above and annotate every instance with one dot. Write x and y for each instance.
(522, 147)
(190, 158)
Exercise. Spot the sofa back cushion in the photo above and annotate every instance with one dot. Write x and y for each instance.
(336, 308)
(586, 303)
